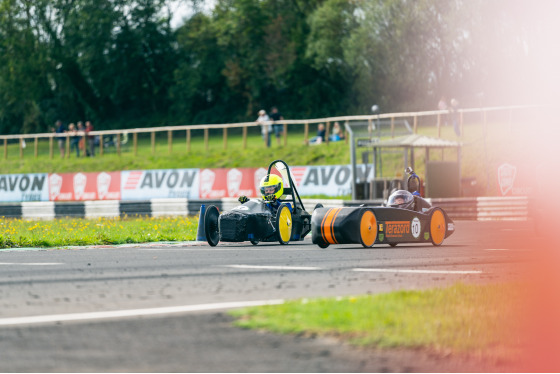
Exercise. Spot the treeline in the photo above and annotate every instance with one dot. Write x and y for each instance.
(121, 64)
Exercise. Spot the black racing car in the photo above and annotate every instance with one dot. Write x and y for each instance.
(407, 218)
(257, 220)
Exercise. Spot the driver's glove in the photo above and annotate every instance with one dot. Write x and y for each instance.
(243, 199)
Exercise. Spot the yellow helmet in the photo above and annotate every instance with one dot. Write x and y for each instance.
(271, 187)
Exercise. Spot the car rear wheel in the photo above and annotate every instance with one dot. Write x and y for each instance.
(284, 224)
(211, 228)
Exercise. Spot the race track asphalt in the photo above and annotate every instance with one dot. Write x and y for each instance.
(139, 279)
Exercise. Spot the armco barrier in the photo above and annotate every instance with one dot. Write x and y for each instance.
(481, 208)
(486, 208)
(514, 208)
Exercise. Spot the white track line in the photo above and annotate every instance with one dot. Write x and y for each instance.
(267, 267)
(55, 318)
(32, 263)
(413, 271)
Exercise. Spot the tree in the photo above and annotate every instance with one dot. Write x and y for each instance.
(23, 70)
(408, 53)
(95, 59)
(200, 93)
(120, 64)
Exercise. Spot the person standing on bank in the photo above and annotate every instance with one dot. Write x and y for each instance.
(74, 139)
(59, 129)
(90, 146)
(277, 127)
(455, 116)
(81, 143)
(266, 128)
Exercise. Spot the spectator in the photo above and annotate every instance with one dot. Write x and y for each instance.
(455, 116)
(59, 129)
(90, 141)
(74, 139)
(442, 105)
(81, 143)
(337, 133)
(320, 138)
(264, 121)
(278, 128)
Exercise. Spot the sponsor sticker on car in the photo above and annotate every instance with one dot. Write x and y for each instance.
(397, 229)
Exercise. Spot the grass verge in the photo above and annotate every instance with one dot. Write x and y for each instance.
(462, 318)
(17, 233)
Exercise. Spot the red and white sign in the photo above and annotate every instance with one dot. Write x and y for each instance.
(219, 183)
(260, 173)
(85, 186)
(506, 178)
(517, 180)
(297, 174)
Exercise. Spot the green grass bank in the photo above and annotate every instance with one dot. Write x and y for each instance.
(18, 233)
(462, 318)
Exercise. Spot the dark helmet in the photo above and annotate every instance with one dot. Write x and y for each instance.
(401, 199)
(413, 183)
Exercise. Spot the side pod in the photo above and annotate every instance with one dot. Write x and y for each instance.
(343, 226)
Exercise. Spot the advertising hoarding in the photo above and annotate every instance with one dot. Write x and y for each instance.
(160, 183)
(84, 186)
(24, 187)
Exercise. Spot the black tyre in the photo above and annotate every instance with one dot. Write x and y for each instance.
(211, 228)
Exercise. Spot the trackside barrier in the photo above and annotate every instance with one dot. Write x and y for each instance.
(514, 208)
(101, 208)
(486, 208)
(481, 208)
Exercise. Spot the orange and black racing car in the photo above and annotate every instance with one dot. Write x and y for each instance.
(406, 218)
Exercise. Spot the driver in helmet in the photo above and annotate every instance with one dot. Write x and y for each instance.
(401, 199)
(271, 188)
